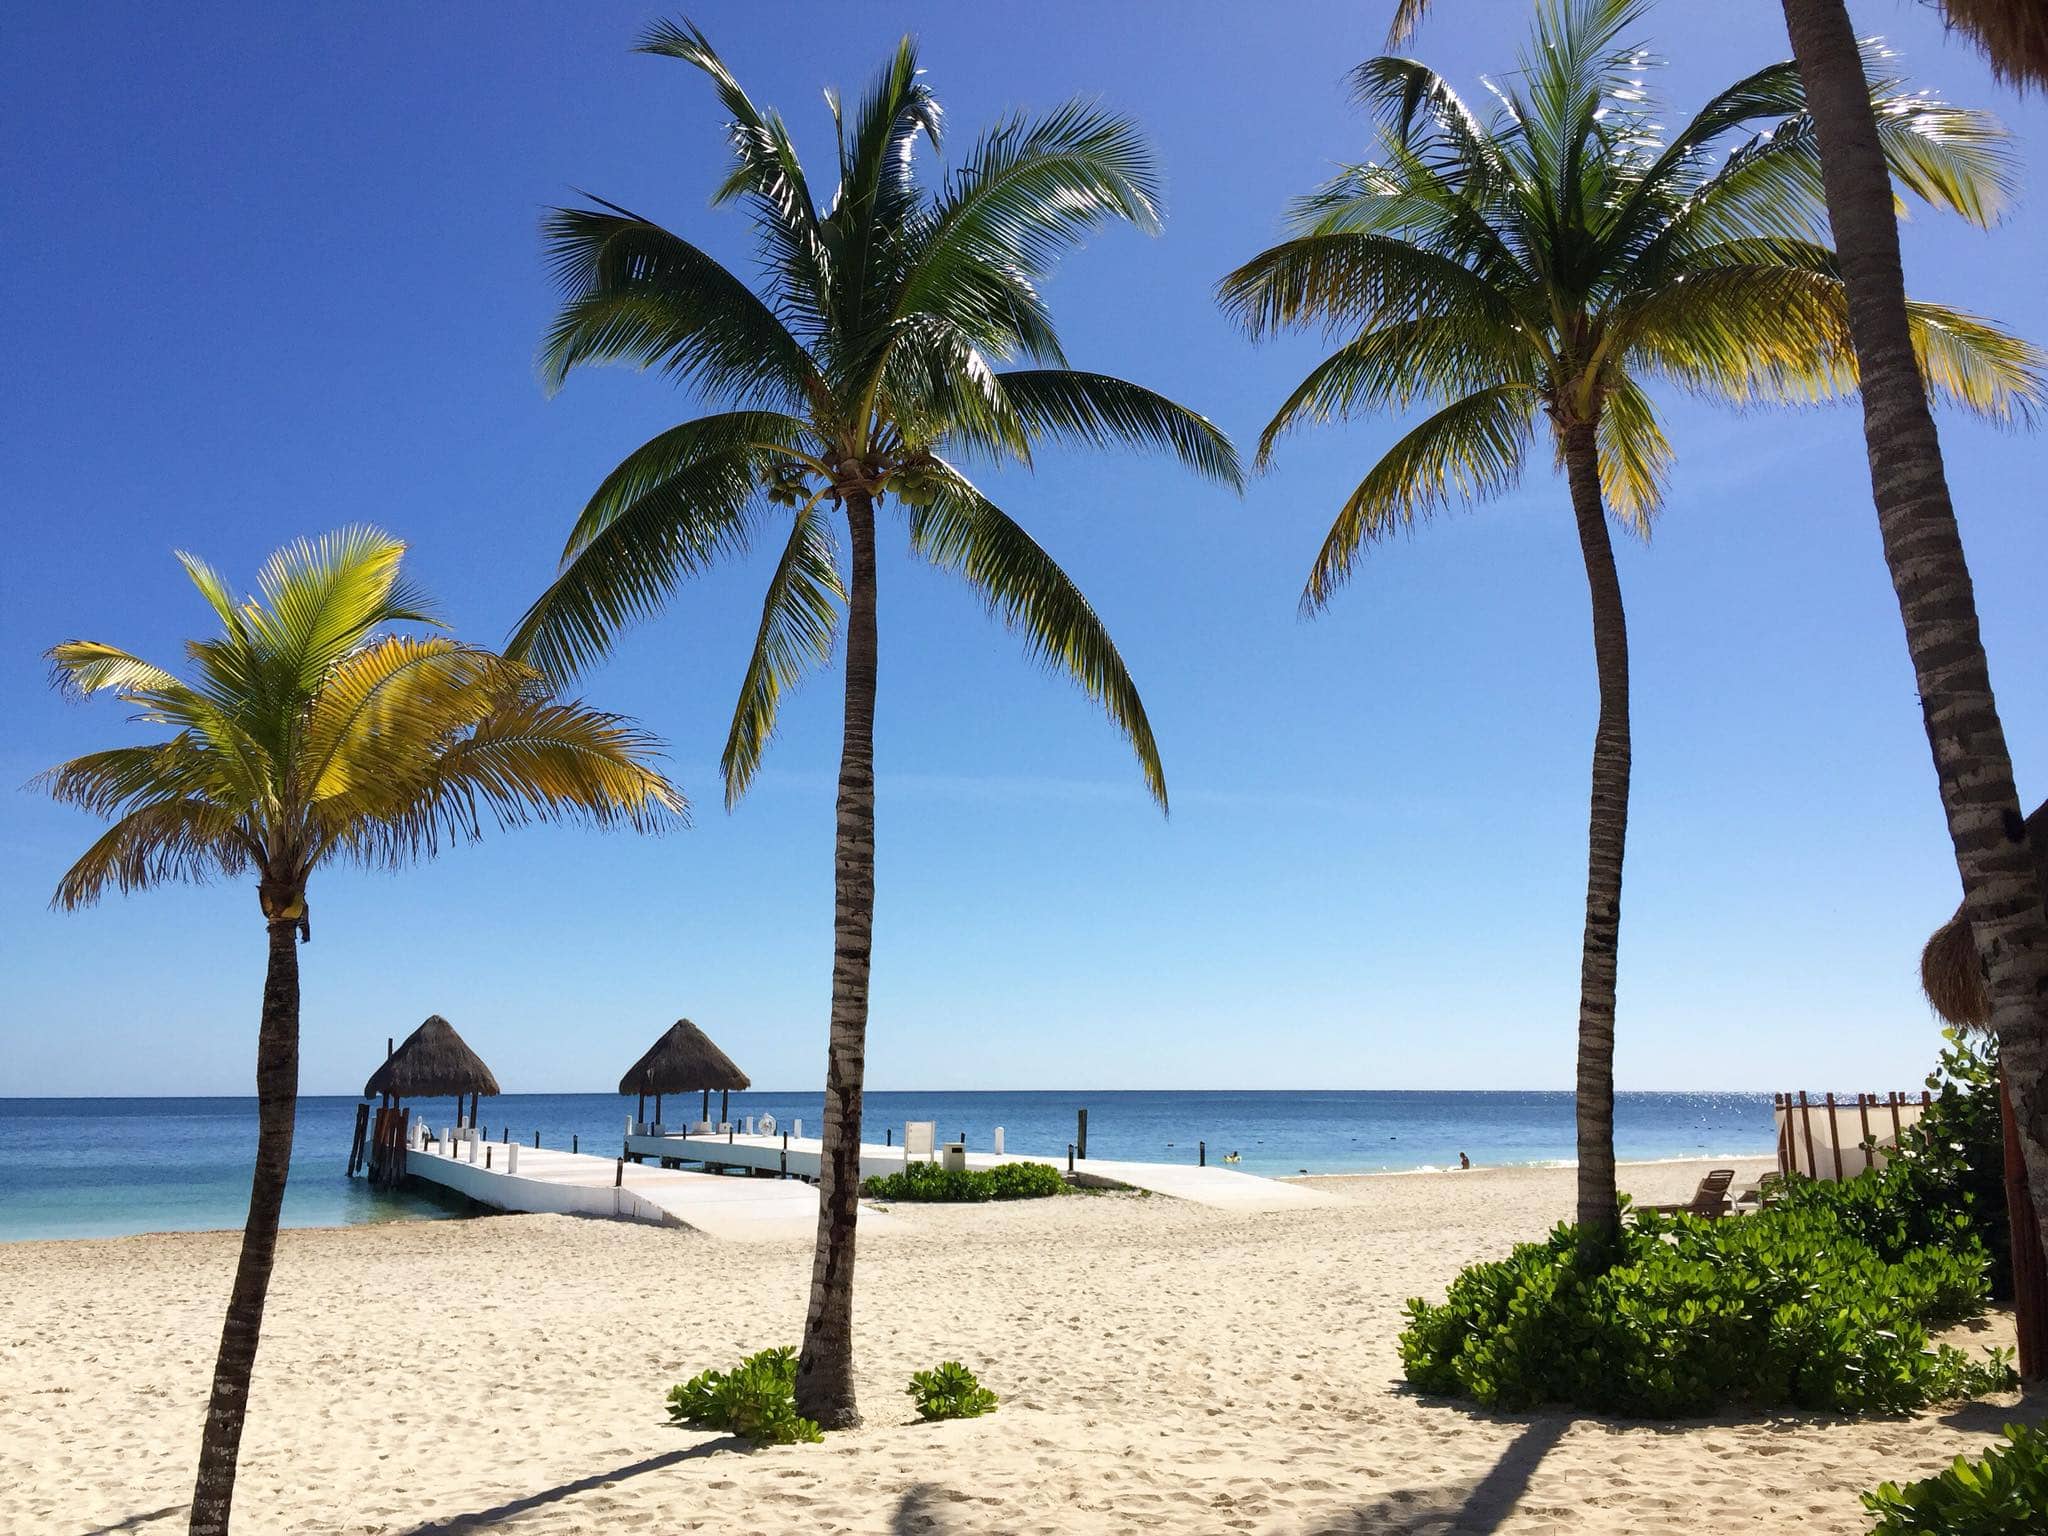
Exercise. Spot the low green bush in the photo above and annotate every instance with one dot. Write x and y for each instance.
(755, 1400)
(2002, 1493)
(1947, 1184)
(1005, 1181)
(950, 1391)
(1785, 1308)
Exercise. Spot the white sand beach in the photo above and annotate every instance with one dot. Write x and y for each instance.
(1163, 1368)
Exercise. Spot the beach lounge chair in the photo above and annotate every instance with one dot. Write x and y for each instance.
(1755, 1197)
(1710, 1199)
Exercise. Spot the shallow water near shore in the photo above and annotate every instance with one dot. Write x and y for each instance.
(105, 1167)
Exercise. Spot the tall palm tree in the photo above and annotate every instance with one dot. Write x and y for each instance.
(2002, 892)
(1544, 265)
(874, 358)
(311, 735)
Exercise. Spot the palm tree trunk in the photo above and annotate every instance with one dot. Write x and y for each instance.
(1606, 835)
(277, 1092)
(2001, 890)
(824, 1380)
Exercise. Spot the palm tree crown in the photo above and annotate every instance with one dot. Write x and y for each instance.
(310, 733)
(874, 357)
(1559, 254)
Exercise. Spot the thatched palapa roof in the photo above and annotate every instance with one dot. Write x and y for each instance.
(2013, 35)
(683, 1060)
(432, 1062)
(1949, 971)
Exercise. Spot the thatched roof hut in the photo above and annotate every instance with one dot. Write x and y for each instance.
(431, 1062)
(683, 1060)
(1949, 970)
(2012, 34)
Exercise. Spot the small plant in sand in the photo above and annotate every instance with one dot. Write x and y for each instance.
(2002, 1493)
(755, 1400)
(949, 1391)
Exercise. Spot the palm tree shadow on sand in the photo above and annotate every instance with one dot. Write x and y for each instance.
(1451, 1509)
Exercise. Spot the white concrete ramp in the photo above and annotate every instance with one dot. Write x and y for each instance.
(1224, 1188)
(541, 1179)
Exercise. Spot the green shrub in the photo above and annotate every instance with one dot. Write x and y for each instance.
(1784, 1308)
(950, 1391)
(755, 1400)
(2003, 1493)
(1005, 1181)
(1948, 1182)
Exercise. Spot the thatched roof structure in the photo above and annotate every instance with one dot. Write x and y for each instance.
(683, 1060)
(432, 1062)
(2012, 34)
(1950, 974)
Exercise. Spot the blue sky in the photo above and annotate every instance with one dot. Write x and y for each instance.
(276, 269)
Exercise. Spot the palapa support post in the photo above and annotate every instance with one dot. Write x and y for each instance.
(355, 1150)
(705, 1113)
(640, 1110)
(1834, 1139)
(725, 1106)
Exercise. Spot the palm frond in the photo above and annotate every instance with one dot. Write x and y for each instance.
(634, 293)
(626, 570)
(1390, 366)
(766, 169)
(960, 530)
(1344, 280)
(768, 441)
(82, 667)
(533, 760)
(1635, 456)
(1472, 448)
(383, 714)
(798, 619)
(1029, 190)
(155, 844)
(1098, 410)
(1970, 362)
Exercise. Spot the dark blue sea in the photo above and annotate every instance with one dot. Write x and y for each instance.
(98, 1168)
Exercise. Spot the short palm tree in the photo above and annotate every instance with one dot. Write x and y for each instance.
(876, 357)
(311, 734)
(1543, 266)
(2002, 893)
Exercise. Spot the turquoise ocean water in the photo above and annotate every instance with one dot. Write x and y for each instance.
(95, 1168)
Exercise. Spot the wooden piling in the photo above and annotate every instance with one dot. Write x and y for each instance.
(1834, 1139)
(1081, 1136)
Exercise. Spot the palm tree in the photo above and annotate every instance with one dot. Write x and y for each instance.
(308, 736)
(1546, 264)
(875, 357)
(2002, 893)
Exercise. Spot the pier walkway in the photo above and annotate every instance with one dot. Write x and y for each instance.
(534, 1179)
(1224, 1188)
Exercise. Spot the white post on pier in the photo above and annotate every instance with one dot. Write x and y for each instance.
(999, 1141)
(472, 1151)
(796, 1127)
(512, 1157)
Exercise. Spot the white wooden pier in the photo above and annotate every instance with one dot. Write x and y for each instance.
(510, 1177)
(799, 1156)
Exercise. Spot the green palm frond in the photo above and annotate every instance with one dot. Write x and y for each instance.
(763, 440)
(316, 728)
(1029, 190)
(627, 569)
(1343, 280)
(1635, 457)
(959, 529)
(798, 619)
(767, 171)
(1473, 447)
(1393, 365)
(634, 293)
(81, 667)
(1100, 411)
(164, 841)
(1972, 363)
